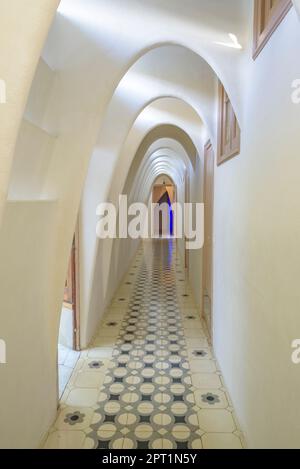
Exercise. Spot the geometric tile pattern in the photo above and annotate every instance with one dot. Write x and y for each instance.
(147, 398)
(150, 380)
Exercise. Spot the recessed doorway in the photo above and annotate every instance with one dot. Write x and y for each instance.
(69, 330)
(163, 196)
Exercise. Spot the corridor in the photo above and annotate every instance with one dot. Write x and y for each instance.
(149, 379)
(127, 125)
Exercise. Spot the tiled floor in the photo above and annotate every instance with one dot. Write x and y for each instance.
(149, 379)
(67, 360)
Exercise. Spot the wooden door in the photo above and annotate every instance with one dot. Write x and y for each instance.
(71, 292)
(69, 285)
(208, 234)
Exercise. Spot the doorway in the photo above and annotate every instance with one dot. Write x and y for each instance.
(69, 330)
(207, 304)
(163, 196)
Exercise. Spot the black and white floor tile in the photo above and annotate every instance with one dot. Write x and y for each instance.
(149, 380)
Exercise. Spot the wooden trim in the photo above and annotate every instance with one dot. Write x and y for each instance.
(71, 294)
(229, 133)
(187, 200)
(207, 147)
(265, 26)
(76, 305)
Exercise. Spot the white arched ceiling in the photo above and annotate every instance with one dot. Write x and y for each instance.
(156, 162)
(164, 164)
(119, 137)
(197, 24)
(153, 76)
(106, 183)
(160, 137)
(169, 111)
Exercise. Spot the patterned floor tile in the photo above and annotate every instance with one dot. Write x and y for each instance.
(150, 376)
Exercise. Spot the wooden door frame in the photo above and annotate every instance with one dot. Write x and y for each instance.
(187, 200)
(207, 147)
(74, 306)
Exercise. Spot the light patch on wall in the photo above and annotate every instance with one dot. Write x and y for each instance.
(99, 21)
(152, 115)
(138, 85)
(233, 44)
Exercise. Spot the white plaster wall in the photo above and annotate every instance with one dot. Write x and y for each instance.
(256, 251)
(28, 390)
(32, 158)
(24, 27)
(36, 110)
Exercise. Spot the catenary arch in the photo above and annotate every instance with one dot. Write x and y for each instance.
(119, 177)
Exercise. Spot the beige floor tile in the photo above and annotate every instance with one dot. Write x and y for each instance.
(82, 397)
(88, 443)
(106, 431)
(127, 443)
(144, 431)
(206, 380)
(104, 342)
(65, 440)
(105, 332)
(162, 443)
(221, 441)
(192, 323)
(100, 352)
(89, 379)
(197, 444)
(194, 333)
(194, 343)
(202, 366)
(216, 421)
